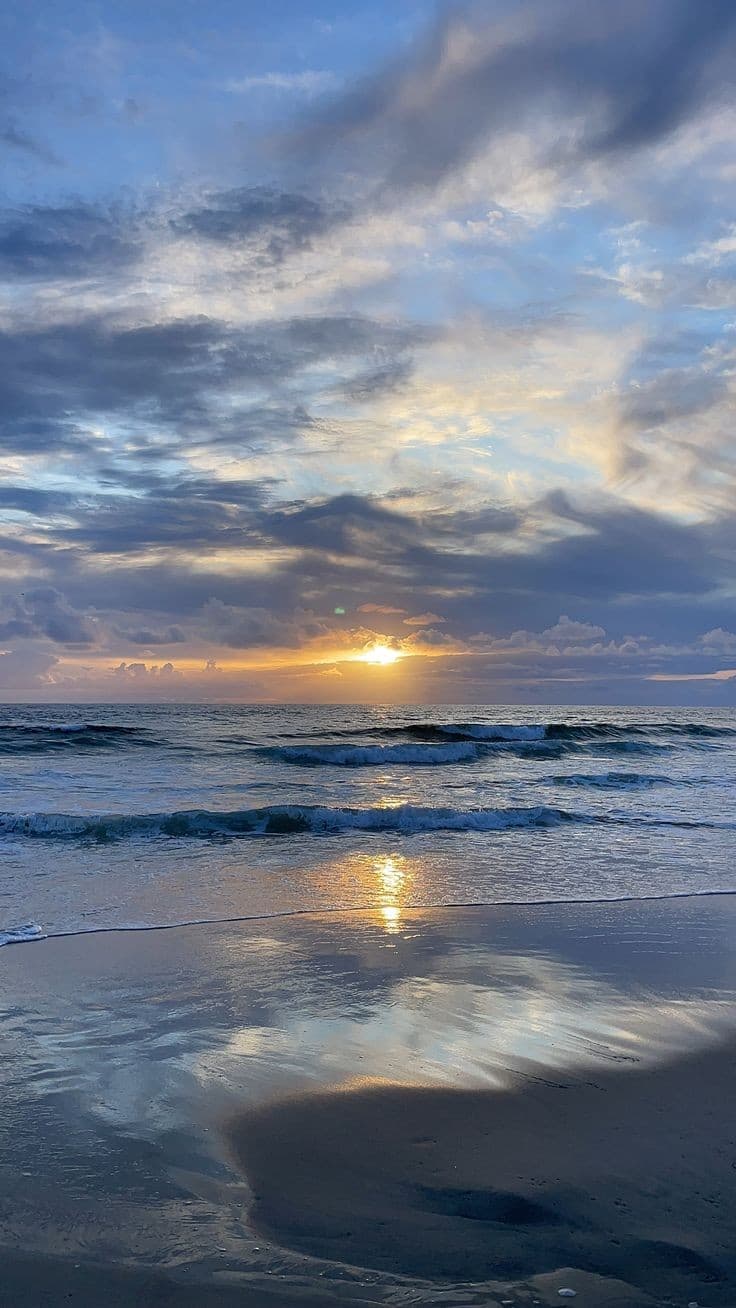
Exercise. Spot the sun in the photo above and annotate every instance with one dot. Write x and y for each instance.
(382, 654)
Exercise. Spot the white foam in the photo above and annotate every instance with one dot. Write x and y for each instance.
(279, 820)
(410, 818)
(480, 731)
(20, 934)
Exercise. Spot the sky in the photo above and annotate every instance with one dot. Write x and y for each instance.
(368, 352)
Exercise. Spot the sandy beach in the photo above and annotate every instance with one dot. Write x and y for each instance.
(464, 1107)
(629, 1175)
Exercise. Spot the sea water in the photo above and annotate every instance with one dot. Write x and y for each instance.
(140, 816)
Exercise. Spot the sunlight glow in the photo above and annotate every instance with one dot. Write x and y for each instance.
(390, 876)
(382, 654)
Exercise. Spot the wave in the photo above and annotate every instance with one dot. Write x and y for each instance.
(280, 820)
(479, 731)
(40, 738)
(612, 780)
(617, 730)
(492, 731)
(602, 745)
(440, 755)
(314, 819)
(358, 756)
(570, 733)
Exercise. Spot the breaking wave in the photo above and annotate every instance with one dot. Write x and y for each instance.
(464, 748)
(479, 731)
(280, 820)
(312, 819)
(441, 755)
(561, 732)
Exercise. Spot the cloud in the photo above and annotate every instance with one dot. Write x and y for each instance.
(232, 567)
(386, 609)
(44, 612)
(189, 377)
(464, 352)
(308, 81)
(34, 500)
(188, 513)
(146, 672)
(723, 674)
(273, 223)
(26, 669)
(607, 80)
(718, 641)
(145, 636)
(238, 627)
(567, 631)
(430, 639)
(66, 242)
(666, 426)
(422, 620)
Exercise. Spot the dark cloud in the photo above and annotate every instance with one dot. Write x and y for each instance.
(387, 377)
(618, 554)
(186, 513)
(144, 636)
(672, 396)
(489, 520)
(66, 242)
(239, 627)
(613, 568)
(660, 574)
(30, 499)
(275, 222)
(168, 376)
(142, 672)
(43, 611)
(347, 525)
(613, 77)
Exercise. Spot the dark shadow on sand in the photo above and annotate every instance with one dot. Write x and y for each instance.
(630, 1175)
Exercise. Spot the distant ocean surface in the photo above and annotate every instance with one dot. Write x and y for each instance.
(140, 816)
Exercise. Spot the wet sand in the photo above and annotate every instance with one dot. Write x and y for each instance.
(545, 1101)
(629, 1175)
(49, 1283)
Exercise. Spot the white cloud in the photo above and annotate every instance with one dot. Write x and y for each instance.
(308, 81)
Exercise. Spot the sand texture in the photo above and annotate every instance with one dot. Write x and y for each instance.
(628, 1174)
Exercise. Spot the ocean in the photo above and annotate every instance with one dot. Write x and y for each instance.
(131, 816)
(464, 976)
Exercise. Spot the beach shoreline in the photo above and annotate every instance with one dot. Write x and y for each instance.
(486, 1099)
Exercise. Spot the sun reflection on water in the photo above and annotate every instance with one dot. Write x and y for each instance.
(390, 873)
